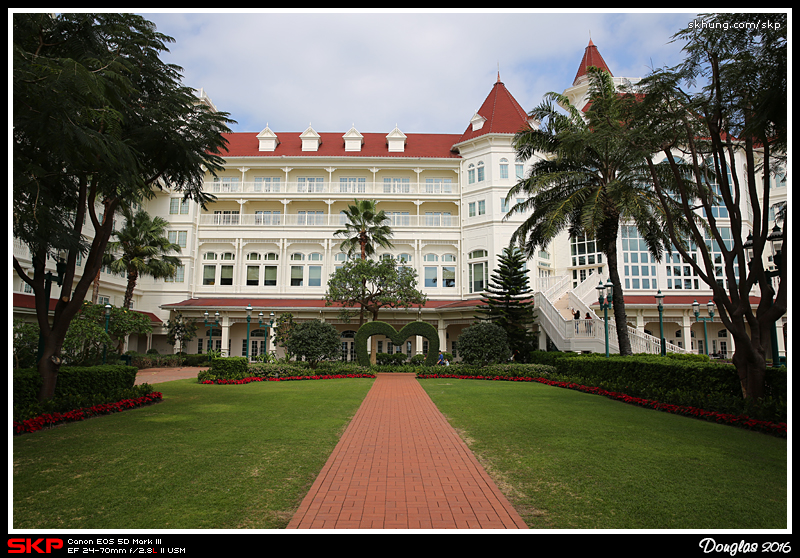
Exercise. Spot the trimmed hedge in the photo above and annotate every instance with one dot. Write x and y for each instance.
(74, 380)
(508, 371)
(423, 329)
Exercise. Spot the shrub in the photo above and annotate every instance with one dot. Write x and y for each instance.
(484, 343)
(314, 341)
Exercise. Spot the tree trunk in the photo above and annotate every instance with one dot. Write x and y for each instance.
(620, 317)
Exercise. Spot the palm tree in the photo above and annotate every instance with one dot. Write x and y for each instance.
(586, 180)
(365, 228)
(141, 248)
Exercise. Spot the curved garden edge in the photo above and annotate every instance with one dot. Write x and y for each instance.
(284, 379)
(54, 419)
(742, 421)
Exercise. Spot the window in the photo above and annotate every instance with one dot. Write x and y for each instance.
(225, 184)
(438, 185)
(471, 174)
(481, 172)
(478, 272)
(310, 184)
(267, 184)
(504, 168)
(397, 185)
(482, 207)
(310, 217)
(178, 206)
(268, 218)
(398, 218)
(177, 237)
(519, 170)
(178, 277)
(637, 269)
(437, 219)
(472, 209)
(352, 185)
(226, 217)
(210, 269)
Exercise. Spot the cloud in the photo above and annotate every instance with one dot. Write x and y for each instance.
(425, 72)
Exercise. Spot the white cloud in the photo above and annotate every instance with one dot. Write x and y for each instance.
(425, 72)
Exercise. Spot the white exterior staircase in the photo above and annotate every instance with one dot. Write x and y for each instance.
(553, 304)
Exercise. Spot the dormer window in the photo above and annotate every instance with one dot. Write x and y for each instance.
(353, 140)
(267, 140)
(477, 122)
(311, 140)
(396, 140)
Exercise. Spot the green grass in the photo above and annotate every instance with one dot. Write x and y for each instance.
(207, 457)
(569, 460)
(244, 456)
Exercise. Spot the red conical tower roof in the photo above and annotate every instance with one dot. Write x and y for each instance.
(501, 112)
(591, 57)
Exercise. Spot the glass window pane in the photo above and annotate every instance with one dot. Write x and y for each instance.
(271, 275)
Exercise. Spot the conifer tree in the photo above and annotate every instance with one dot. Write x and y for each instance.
(508, 302)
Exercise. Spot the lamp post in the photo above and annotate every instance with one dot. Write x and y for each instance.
(247, 346)
(108, 316)
(605, 304)
(696, 307)
(660, 299)
(266, 325)
(211, 331)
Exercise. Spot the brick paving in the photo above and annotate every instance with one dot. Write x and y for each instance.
(400, 465)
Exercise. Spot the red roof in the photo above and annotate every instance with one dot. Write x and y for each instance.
(245, 144)
(503, 114)
(23, 300)
(591, 57)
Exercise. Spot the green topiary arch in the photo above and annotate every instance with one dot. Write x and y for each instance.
(423, 329)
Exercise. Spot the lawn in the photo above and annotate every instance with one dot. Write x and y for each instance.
(207, 457)
(570, 460)
(244, 456)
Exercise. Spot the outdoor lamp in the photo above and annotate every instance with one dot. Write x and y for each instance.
(108, 316)
(660, 299)
(247, 346)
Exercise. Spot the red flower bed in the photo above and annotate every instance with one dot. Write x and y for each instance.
(47, 421)
(743, 421)
(285, 378)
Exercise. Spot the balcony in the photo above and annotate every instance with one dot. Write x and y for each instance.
(337, 221)
(346, 189)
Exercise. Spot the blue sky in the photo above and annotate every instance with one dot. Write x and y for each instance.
(426, 72)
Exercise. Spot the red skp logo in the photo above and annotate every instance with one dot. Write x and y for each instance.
(29, 546)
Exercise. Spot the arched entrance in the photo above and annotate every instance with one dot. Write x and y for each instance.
(348, 345)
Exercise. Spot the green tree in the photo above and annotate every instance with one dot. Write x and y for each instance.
(141, 248)
(99, 121)
(373, 285)
(727, 99)
(365, 228)
(87, 339)
(284, 326)
(314, 341)
(586, 180)
(26, 343)
(483, 343)
(508, 302)
(180, 331)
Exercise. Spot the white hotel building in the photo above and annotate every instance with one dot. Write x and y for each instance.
(268, 240)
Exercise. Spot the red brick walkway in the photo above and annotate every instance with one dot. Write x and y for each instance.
(400, 465)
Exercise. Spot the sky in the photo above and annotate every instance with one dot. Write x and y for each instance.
(423, 71)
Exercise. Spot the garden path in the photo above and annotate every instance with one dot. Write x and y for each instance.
(400, 465)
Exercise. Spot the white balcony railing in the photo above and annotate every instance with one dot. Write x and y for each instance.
(378, 188)
(322, 220)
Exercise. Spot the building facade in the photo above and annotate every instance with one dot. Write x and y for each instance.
(268, 242)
